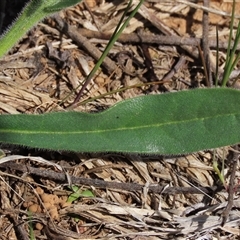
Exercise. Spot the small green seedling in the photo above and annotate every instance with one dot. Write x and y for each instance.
(219, 173)
(78, 193)
(30, 224)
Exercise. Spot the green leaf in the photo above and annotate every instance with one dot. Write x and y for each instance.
(166, 124)
(86, 193)
(78, 193)
(59, 5)
(33, 12)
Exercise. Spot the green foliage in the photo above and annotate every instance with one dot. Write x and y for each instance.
(30, 224)
(173, 123)
(232, 55)
(78, 193)
(33, 12)
(59, 5)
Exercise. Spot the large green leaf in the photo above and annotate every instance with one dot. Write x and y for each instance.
(172, 123)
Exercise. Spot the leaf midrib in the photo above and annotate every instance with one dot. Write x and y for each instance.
(117, 129)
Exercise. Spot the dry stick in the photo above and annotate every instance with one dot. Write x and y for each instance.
(155, 188)
(19, 228)
(150, 75)
(231, 189)
(117, 32)
(205, 43)
(56, 232)
(148, 62)
(83, 42)
(203, 63)
(93, 51)
(204, 8)
(153, 39)
(161, 40)
(157, 23)
(154, 20)
(167, 31)
(134, 38)
(91, 14)
(179, 64)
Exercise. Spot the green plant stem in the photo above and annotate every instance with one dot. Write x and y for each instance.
(217, 171)
(217, 58)
(119, 29)
(25, 21)
(32, 13)
(231, 58)
(121, 90)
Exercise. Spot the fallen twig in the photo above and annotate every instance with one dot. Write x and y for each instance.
(155, 188)
(232, 187)
(154, 39)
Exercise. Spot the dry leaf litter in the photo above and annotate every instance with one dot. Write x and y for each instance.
(136, 197)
